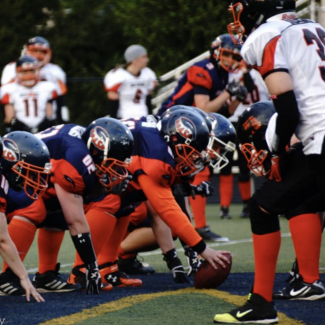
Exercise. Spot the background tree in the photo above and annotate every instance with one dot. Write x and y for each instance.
(89, 37)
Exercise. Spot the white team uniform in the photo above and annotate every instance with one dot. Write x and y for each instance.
(29, 103)
(132, 90)
(295, 46)
(259, 93)
(50, 72)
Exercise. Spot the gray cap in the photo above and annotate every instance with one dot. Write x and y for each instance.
(133, 52)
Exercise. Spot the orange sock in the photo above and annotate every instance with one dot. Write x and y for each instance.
(266, 250)
(22, 234)
(199, 203)
(101, 226)
(245, 190)
(306, 235)
(226, 189)
(49, 243)
(110, 250)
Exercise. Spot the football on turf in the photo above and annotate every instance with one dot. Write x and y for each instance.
(207, 277)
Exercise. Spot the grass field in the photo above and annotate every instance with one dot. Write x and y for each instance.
(236, 229)
(159, 300)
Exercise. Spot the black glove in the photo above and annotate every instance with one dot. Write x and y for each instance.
(184, 189)
(175, 265)
(93, 279)
(193, 260)
(204, 189)
(121, 187)
(235, 89)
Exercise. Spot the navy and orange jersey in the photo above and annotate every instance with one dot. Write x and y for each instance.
(73, 168)
(151, 155)
(202, 78)
(4, 189)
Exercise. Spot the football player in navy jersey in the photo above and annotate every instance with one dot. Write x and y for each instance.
(205, 85)
(81, 159)
(25, 164)
(164, 150)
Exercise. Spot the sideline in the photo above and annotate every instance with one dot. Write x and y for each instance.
(127, 302)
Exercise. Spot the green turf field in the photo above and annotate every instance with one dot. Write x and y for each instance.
(236, 229)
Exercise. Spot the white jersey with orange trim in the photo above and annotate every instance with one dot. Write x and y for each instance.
(8, 73)
(132, 90)
(29, 103)
(259, 93)
(297, 47)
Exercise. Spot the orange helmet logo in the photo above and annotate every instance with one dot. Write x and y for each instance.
(10, 150)
(99, 137)
(186, 128)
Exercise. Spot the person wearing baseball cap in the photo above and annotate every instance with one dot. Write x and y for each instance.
(130, 86)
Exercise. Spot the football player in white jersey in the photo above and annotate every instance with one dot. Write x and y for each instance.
(39, 48)
(28, 101)
(129, 88)
(289, 54)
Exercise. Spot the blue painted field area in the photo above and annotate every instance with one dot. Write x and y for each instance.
(78, 308)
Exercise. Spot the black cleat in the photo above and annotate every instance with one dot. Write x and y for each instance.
(134, 266)
(51, 281)
(224, 213)
(300, 290)
(245, 211)
(208, 235)
(10, 284)
(256, 310)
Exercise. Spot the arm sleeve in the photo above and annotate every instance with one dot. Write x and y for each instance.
(163, 202)
(113, 107)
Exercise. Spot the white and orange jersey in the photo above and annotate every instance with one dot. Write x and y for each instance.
(259, 92)
(29, 103)
(8, 73)
(132, 90)
(296, 47)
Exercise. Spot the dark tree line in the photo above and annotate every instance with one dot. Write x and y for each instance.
(88, 38)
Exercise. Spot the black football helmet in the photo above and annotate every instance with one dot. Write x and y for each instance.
(249, 14)
(39, 48)
(187, 134)
(252, 124)
(27, 71)
(222, 141)
(225, 53)
(110, 144)
(26, 163)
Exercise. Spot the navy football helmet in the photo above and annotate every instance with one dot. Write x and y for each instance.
(252, 124)
(27, 71)
(110, 144)
(26, 163)
(225, 53)
(249, 14)
(39, 48)
(222, 141)
(187, 134)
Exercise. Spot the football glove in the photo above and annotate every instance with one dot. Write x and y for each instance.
(93, 279)
(175, 265)
(193, 260)
(204, 189)
(121, 187)
(235, 89)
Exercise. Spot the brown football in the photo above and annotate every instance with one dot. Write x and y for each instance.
(207, 277)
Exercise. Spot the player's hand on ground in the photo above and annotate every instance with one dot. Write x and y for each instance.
(93, 279)
(213, 257)
(30, 290)
(175, 265)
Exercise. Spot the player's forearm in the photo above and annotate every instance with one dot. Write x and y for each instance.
(215, 105)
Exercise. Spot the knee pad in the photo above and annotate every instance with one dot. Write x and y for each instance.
(262, 223)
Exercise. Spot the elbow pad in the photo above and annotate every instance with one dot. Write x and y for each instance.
(288, 118)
